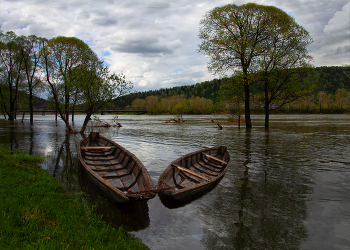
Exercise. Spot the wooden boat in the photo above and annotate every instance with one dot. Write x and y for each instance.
(117, 172)
(194, 173)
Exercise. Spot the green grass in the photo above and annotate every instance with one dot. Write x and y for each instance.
(37, 213)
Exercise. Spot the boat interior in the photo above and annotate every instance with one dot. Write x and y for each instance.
(112, 164)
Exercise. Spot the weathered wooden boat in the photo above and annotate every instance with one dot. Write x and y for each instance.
(119, 174)
(194, 173)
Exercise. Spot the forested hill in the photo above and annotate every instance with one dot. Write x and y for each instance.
(207, 89)
(328, 79)
(333, 78)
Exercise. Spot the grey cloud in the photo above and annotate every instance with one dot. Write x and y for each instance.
(149, 8)
(83, 15)
(343, 50)
(158, 36)
(143, 48)
(105, 21)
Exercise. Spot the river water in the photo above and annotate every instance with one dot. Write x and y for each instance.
(287, 187)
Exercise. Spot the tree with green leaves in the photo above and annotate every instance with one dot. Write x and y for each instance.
(11, 72)
(77, 77)
(284, 64)
(62, 59)
(151, 103)
(98, 87)
(232, 93)
(243, 38)
(31, 53)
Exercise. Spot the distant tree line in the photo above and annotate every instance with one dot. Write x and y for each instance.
(175, 105)
(329, 92)
(207, 89)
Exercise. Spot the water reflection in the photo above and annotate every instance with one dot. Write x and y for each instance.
(172, 203)
(266, 209)
(133, 216)
(287, 187)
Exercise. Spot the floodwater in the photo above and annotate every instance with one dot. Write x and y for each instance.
(287, 187)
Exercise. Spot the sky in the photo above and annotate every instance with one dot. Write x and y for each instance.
(155, 42)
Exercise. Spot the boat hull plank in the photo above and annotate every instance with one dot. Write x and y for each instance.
(119, 174)
(194, 173)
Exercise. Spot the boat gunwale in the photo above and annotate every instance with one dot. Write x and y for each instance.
(104, 182)
(194, 187)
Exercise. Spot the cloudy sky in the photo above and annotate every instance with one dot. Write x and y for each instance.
(154, 42)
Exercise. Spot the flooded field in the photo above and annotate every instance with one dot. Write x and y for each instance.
(288, 187)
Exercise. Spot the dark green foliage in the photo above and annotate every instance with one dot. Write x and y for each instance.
(327, 79)
(332, 78)
(207, 89)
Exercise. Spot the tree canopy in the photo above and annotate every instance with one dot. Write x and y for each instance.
(249, 39)
(76, 76)
(67, 66)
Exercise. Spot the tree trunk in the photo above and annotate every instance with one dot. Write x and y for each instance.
(267, 108)
(86, 121)
(248, 122)
(11, 116)
(31, 106)
(11, 113)
(267, 116)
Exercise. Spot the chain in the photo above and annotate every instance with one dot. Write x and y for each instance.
(157, 190)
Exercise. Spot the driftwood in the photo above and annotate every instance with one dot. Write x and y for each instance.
(217, 123)
(107, 125)
(175, 120)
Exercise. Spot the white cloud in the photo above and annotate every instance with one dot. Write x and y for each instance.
(151, 40)
(334, 41)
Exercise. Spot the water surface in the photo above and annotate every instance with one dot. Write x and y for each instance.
(288, 187)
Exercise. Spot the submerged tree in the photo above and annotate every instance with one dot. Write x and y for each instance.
(76, 77)
(243, 39)
(62, 59)
(11, 73)
(284, 64)
(30, 51)
(233, 94)
(99, 87)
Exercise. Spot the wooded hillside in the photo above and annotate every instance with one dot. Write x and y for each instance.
(327, 79)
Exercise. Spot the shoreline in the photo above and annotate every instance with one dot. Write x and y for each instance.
(37, 212)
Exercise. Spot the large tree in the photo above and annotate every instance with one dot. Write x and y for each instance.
(241, 39)
(98, 87)
(284, 64)
(77, 77)
(11, 72)
(31, 53)
(62, 59)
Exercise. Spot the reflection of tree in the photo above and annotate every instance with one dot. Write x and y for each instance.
(242, 230)
(31, 139)
(64, 164)
(13, 137)
(263, 207)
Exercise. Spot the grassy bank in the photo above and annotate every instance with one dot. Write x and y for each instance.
(36, 213)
